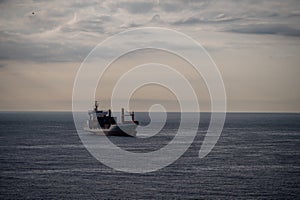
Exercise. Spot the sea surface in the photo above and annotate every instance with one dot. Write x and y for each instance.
(256, 157)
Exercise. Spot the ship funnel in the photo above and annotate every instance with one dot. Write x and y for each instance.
(123, 115)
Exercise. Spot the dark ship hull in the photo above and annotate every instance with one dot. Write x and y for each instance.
(127, 130)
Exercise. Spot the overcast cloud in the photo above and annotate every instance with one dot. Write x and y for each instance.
(42, 30)
(66, 31)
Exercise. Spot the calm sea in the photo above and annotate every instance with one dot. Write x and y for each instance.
(257, 156)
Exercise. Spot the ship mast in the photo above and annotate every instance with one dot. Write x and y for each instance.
(96, 105)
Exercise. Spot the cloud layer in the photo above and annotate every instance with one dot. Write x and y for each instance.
(255, 44)
(43, 31)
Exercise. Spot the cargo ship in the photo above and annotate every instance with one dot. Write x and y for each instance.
(102, 122)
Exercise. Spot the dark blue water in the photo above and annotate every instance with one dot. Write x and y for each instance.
(257, 156)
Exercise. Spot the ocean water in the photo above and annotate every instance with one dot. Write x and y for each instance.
(257, 156)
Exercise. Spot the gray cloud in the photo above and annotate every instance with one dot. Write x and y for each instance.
(68, 30)
(93, 25)
(169, 7)
(278, 29)
(43, 52)
(195, 20)
(133, 7)
(137, 7)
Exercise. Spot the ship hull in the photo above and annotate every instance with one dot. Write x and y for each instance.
(128, 130)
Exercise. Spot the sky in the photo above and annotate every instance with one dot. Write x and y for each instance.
(255, 44)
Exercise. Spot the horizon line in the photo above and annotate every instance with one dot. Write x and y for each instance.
(70, 111)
